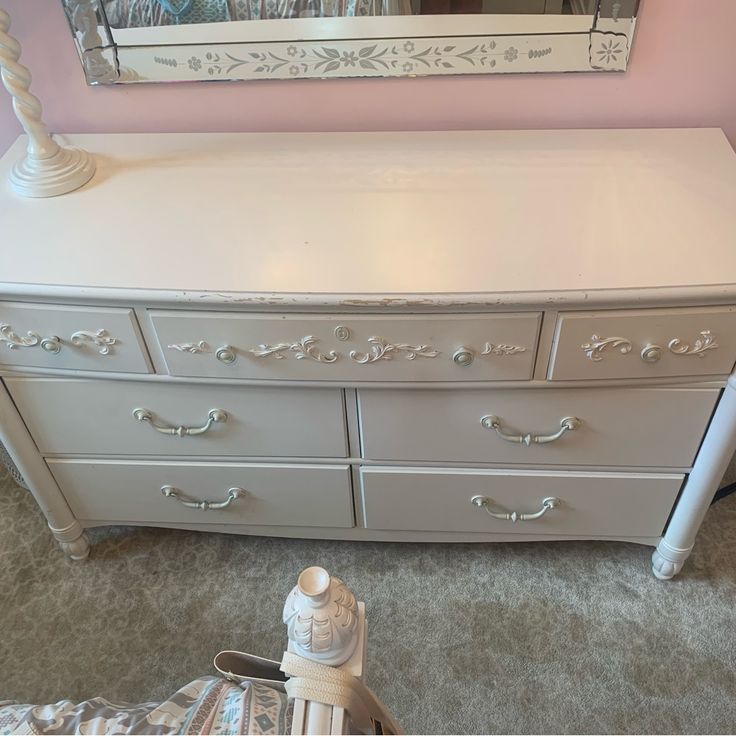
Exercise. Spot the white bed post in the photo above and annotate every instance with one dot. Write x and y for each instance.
(710, 465)
(48, 169)
(327, 625)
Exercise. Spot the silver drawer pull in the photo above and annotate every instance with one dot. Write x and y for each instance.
(463, 356)
(651, 353)
(226, 354)
(51, 344)
(568, 424)
(232, 494)
(215, 415)
(483, 502)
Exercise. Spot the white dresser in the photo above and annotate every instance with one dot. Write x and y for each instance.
(404, 336)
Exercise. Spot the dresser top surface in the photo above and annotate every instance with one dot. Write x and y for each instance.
(488, 213)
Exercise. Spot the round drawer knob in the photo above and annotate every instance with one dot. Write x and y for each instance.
(226, 354)
(51, 344)
(651, 353)
(342, 333)
(463, 356)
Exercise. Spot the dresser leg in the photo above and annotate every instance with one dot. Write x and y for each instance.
(29, 461)
(73, 541)
(668, 561)
(715, 454)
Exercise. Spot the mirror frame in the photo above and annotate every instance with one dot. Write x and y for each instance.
(605, 47)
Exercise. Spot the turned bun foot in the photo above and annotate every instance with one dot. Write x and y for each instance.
(665, 568)
(78, 549)
(72, 540)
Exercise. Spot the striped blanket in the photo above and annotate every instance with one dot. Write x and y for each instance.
(209, 705)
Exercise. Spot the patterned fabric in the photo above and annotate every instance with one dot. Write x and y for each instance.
(209, 705)
(147, 13)
(271, 9)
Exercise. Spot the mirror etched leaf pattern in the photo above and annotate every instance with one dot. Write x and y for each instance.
(192, 40)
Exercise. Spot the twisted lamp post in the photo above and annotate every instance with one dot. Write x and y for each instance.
(48, 169)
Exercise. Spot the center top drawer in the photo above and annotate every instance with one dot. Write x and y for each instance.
(348, 347)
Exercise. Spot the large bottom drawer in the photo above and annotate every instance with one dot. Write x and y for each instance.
(584, 504)
(281, 495)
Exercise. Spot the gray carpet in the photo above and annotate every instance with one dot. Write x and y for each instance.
(550, 638)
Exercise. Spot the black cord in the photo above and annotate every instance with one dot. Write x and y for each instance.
(723, 492)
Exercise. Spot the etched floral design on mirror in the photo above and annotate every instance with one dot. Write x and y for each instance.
(185, 40)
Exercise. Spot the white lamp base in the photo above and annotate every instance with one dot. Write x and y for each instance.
(67, 170)
(48, 169)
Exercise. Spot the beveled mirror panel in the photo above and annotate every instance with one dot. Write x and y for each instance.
(187, 40)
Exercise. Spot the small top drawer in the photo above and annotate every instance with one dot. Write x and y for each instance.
(348, 347)
(65, 337)
(644, 343)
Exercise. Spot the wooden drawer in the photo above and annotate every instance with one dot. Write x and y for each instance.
(79, 338)
(616, 426)
(90, 417)
(589, 504)
(348, 347)
(281, 495)
(645, 343)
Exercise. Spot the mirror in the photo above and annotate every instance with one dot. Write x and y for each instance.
(186, 40)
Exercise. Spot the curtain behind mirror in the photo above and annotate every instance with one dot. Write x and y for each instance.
(149, 13)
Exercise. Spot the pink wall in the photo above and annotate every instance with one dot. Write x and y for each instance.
(682, 73)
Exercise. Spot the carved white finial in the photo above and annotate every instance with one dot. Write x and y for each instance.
(48, 169)
(322, 618)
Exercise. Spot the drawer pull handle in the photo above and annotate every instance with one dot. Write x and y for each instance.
(51, 344)
(342, 333)
(226, 354)
(651, 353)
(568, 424)
(215, 415)
(483, 502)
(232, 494)
(463, 356)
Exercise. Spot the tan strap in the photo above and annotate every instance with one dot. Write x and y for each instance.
(319, 683)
